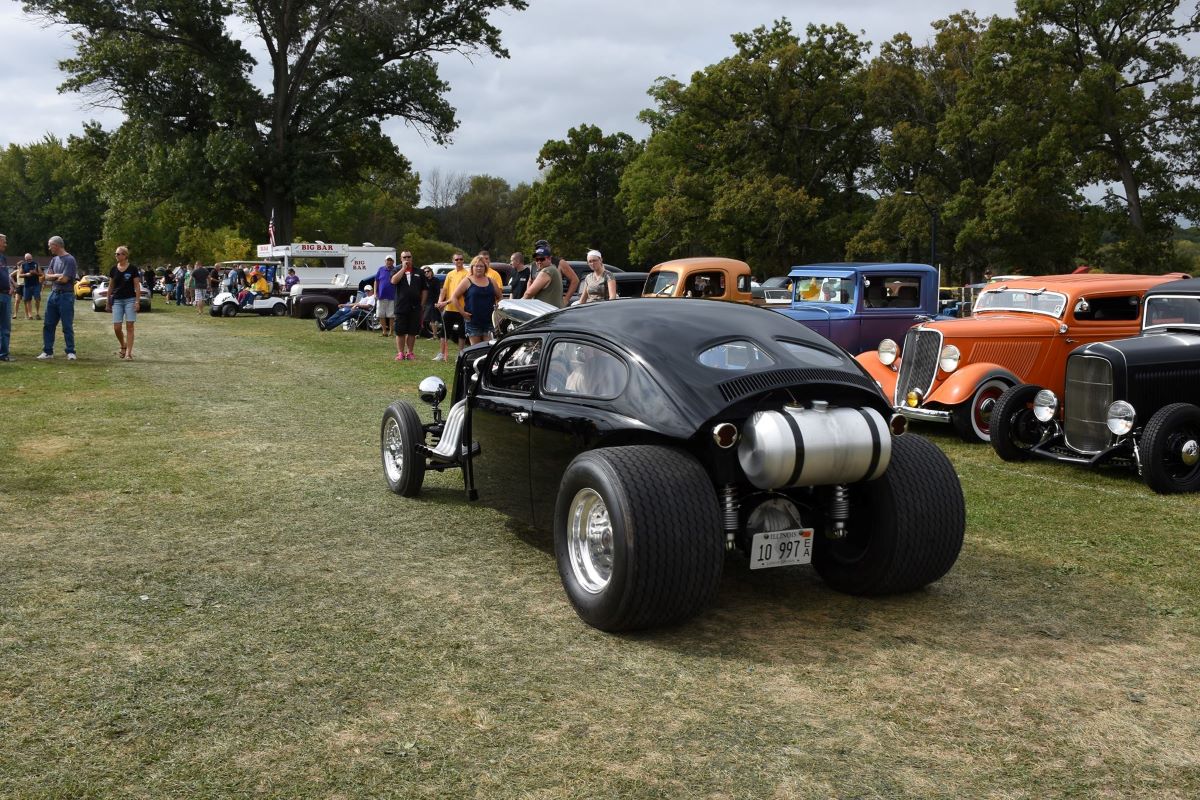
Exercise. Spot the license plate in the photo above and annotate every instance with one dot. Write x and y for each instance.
(781, 548)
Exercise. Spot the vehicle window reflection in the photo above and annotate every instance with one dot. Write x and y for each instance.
(585, 371)
(514, 368)
(736, 355)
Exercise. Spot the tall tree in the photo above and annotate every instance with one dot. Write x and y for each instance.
(1133, 111)
(337, 69)
(574, 205)
(759, 156)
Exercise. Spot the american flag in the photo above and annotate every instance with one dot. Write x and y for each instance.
(271, 229)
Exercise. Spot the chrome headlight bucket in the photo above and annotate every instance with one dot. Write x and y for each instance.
(949, 358)
(887, 352)
(1120, 417)
(1045, 405)
(432, 390)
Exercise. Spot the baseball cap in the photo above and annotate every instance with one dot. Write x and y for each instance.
(541, 251)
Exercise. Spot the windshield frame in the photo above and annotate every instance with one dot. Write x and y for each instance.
(1040, 293)
(1149, 300)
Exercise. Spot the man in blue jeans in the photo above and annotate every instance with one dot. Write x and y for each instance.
(6, 302)
(60, 277)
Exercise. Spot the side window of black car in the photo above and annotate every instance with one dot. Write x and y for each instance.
(514, 367)
(584, 370)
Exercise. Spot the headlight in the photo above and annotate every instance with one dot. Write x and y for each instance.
(1121, 417)
(1045, 404)
(913, 398)
(948, 360)
(887, 352)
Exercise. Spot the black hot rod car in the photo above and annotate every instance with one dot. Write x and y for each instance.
(1130, 402)
(651, 436)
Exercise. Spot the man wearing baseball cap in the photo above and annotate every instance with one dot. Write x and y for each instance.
(547, 284)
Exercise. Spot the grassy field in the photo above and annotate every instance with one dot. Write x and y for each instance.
(207, 591)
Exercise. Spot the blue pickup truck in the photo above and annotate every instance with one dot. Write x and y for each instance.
(856, 305)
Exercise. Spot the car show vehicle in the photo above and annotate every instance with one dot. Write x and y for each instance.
(649, 457)
(855, 305)
(1020, 331)
(1133, 402)
(85, 285)
(705, 277)
(100, 298)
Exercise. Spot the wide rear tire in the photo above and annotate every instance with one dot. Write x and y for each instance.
(905, 528)
(1015, 430)
(399, 435)
(637, 536)
(1170, 462)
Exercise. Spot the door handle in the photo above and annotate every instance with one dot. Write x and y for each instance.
(521, 417)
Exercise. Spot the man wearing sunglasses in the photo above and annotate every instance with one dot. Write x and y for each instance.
(547, 284)
(452, 319)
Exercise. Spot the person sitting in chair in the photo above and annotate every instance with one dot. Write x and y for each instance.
(345, 310)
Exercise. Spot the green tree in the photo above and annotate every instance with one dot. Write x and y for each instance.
(759, 156)
(966, 147)
(1132, 112)
(337, 69)
(574, 205)
(44, 191)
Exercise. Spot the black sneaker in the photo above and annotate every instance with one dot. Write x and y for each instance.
(7, 358)
(320, 325)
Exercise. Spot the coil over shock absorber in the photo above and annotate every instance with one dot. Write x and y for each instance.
(839, 510)
(730, 509)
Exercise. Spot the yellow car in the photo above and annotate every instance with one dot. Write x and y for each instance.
(84, 286)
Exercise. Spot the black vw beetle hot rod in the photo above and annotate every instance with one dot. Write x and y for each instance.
(1126, 402)
(651, 436)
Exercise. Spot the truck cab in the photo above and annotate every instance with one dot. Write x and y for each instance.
(706, 277)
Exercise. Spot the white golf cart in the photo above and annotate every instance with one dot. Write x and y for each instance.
(226, 304)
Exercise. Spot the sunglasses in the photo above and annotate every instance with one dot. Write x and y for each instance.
(540, 259)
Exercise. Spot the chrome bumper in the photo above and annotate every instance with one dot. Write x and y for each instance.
(923, 414)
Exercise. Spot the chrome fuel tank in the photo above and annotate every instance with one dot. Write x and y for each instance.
(816, 446)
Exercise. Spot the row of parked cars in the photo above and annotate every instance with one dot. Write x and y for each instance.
(654, 437)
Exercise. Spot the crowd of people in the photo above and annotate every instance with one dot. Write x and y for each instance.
(459, 307)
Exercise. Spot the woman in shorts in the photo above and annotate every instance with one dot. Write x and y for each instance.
(124, 289)
(479, 295)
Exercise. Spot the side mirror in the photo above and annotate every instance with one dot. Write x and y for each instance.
(432, 390)
(1082, 306)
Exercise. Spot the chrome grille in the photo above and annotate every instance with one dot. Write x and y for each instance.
(1087, 394)
(918, 366)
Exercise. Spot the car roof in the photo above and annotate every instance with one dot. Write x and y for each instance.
(1190, 286)
(1074, 285)
(868, 267)
(667, 336)
(701, 262)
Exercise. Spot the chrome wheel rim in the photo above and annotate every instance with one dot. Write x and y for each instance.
(590, 541)
(393, 450)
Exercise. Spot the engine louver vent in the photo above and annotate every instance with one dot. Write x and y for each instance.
(747, 385)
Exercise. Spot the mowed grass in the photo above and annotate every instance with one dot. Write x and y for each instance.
(207, 591)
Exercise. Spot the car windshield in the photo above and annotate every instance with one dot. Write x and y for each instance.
(823, 289)
(661, 283)
(1173, 312)
(1037, 301)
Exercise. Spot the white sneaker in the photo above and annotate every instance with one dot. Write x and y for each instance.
(439, 357)
(70, 356)
(44, 357)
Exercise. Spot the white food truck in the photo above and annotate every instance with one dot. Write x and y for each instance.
(320, 264)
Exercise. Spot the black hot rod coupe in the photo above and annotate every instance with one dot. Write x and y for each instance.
(651, 436)
(1127, 402)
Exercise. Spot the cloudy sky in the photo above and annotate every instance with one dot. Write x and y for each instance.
(572, 62)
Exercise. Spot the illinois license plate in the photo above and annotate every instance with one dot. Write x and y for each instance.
(781, 548)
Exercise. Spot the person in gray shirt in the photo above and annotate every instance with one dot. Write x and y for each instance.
(60, 277)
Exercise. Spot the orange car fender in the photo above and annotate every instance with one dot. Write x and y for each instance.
(958, 386)
(885, 375)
